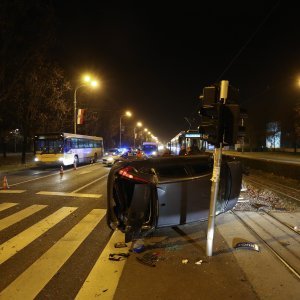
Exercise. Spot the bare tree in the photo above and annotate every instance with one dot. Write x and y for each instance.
(34, 93)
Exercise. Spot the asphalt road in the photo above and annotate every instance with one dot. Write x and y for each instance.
(52, 231)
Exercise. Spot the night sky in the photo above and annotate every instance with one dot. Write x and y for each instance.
(155, 58)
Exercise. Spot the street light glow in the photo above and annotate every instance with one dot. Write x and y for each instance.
(86, 81)
(94, 83)
(86, 78)
(127, 114)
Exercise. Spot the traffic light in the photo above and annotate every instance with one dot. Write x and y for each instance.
(221, 116)
(211, 112)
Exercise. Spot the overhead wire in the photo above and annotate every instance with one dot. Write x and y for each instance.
(249, 40)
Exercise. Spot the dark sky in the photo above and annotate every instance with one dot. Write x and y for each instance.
(155, 58)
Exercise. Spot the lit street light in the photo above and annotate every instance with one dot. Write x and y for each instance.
(87, 82)
(138, 124)
(127, 114)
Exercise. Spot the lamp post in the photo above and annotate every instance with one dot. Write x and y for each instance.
(127, 114)
(138, 124)
(88, 82)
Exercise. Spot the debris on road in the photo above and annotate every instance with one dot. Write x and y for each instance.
(118, 256)
(149, 259)
(185, 261)
(247, 246)
(120, 245)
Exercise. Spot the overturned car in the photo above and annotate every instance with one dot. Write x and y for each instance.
(143, 195)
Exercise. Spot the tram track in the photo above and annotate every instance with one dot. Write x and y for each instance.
(280, 189)
(276, 236)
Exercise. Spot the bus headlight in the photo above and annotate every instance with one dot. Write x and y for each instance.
(154, 153)
(61, 159)
(36, 159)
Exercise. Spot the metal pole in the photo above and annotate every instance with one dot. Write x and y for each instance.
(75, 121)
(213, 199)
(134, 137)
(120, 132)
(215, 179)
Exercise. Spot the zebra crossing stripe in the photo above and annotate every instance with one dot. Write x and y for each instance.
(32, 280)
(69, 194)
(104, 277)
(6, 205)
(18, 242)
(20, 215)
(12, 191)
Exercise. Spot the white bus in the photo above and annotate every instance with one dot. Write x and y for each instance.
(67, 148)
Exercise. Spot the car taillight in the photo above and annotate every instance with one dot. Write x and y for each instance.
(127, 172)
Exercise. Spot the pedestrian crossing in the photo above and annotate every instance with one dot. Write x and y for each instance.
(31, 281)
(46, 193)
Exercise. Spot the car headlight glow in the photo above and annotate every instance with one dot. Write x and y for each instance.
(36, 159)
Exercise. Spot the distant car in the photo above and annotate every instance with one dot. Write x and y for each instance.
(112, 151)
(145, 194)
(130, 155)
(110, 156)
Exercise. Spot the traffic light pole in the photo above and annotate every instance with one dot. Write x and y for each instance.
(216, 177)
(213, 199)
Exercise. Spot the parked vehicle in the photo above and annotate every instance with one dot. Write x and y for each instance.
(143, 195)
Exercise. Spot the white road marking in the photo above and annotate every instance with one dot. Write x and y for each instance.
(105, 274)
(20, 215)
(89, 184)
(72, 194)
(12, 191)
(32, 280)
(85, 172)
(4, 206)
(18, 242)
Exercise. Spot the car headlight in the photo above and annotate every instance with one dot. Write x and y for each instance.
(36, 159)
(154, 153)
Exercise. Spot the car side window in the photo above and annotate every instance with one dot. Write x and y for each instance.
(198, 169)
(171, 171)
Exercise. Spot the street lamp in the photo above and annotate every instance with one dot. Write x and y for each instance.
(138, 124)
(127, 114)
(87, 81)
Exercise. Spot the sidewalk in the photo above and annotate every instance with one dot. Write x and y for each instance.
(229, 274)
(12, 162)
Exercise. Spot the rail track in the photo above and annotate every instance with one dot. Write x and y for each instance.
(283, 190)
(277, 229)
(277, 234)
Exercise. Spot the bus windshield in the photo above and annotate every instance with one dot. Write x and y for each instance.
(150, 149)
(49, 146)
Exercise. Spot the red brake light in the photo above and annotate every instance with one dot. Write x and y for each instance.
(127, 172)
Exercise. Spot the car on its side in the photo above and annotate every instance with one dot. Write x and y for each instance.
(145, 194)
